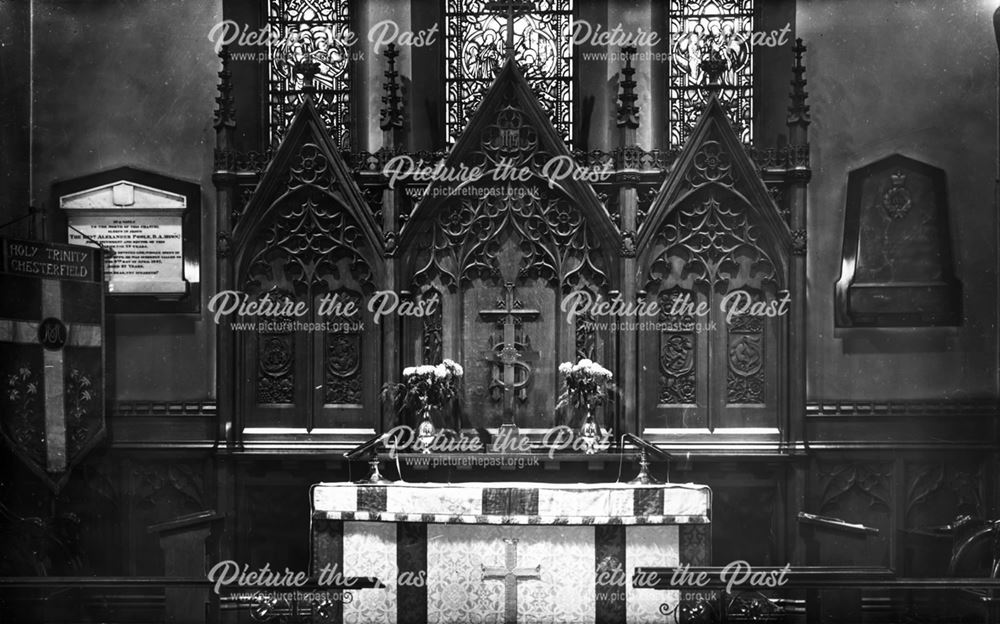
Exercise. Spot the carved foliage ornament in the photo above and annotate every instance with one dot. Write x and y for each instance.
(677, 352)
(310, 238)
(745, 359)
(554, 240)
(714, 242)
(343, 357)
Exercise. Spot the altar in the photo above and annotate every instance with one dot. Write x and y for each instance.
(507, 552)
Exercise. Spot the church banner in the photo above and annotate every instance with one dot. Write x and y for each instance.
(51, 354)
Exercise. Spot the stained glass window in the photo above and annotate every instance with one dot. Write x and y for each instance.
(475, 36)
(710, 29)
(314, 31)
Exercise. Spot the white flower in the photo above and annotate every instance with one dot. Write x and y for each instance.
(566, 368)
(585, 363)
(409, 371)
(440, 371)
(454, 367)
(425, 369)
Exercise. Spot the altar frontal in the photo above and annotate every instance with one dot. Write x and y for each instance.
(507, 552)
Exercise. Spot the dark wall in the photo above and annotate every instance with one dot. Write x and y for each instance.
(133, 83)
(919, 78)
(15, 102)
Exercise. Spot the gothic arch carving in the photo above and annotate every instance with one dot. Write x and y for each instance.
(307, 235)
(714, 240)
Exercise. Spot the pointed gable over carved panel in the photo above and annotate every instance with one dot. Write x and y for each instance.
(510, 169)
(308, 243)
(308, 203)
(714, 156)
(714, 256)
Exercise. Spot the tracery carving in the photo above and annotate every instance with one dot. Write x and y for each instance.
(715, 243)
(872, 481)
(556, 243)
(711, 164)
(310, 167)
(308, 241)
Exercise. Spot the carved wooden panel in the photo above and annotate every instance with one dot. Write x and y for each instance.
(859, 492)
(938, 492)
(503, 252)
(314, 369)
(534, 378)
(712, 275)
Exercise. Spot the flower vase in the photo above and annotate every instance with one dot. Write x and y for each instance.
(589, 433)
(426, 430)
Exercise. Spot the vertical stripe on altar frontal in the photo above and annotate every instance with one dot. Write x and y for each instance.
(609, 558)
(694, 549)
(411, 562)
(328, 549)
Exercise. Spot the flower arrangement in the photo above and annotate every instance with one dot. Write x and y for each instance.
(585, 384)
(426, 386)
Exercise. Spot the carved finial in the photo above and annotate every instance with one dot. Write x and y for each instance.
(628, 112)
(225, 114)
(392, 114)
(798, 111)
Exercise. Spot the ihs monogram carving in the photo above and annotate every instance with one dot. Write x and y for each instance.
(509, 139)
(553, 237)
(717, 243)
(897, 201)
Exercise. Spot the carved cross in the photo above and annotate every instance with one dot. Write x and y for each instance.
(510, 355)
(512, 8)
(510, 574)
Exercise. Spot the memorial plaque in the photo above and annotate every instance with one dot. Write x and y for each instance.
(896, 265)
(142, 226)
